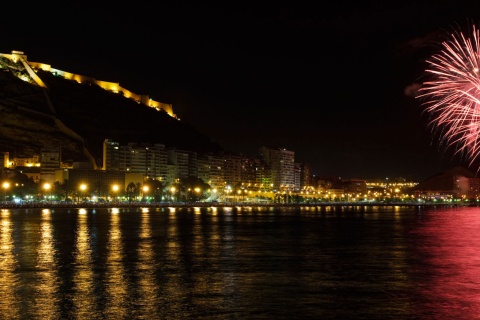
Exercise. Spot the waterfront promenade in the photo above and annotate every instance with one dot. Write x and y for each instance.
(59, 204)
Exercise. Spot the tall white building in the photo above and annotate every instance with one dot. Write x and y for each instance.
(282, 165)
(147, 159)
(211, 171)
(185, 162)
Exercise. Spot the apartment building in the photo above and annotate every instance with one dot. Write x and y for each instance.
(184, 160)
(233, 169)
(211, 170)
(282, 165)
(148, 159)
(49, 162)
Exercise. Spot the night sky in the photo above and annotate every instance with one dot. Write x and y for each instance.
(328, 80)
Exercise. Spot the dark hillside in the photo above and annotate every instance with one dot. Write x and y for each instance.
(26, 124)
(90, 111)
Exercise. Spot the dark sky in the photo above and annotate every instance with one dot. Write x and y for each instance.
(324, 79)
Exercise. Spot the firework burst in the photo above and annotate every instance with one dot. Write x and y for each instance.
(451, 96)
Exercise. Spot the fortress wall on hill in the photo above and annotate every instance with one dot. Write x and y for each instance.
(111, 86)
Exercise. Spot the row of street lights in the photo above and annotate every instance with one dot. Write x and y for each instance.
(115, 189)
(47, 187)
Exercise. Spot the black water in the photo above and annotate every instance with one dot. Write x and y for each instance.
(240, 263)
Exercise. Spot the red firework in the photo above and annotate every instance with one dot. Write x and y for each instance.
(451, 96)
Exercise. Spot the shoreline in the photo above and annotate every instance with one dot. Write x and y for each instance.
(47, 205)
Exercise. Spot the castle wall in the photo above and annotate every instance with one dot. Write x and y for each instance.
(19, 56)
(110, 86)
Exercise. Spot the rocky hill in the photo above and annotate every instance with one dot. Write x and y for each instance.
(79, 117)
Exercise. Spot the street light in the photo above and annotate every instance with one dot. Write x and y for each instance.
(228, 190)
(197, 193)
(145, 190)
(172, 190)
(83, 188)
(243, 191)
(115, 188)
(5, 186)
(47, 188)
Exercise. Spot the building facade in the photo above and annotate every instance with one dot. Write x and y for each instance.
(282, 165)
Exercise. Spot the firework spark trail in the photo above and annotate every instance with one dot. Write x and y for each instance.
(452, 95)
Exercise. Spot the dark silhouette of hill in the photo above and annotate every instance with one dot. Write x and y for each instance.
(31, 118)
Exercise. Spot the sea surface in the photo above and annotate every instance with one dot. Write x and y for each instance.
(331, 262)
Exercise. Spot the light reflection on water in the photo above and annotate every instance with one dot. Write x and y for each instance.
(83, 281)
(449, 285)
(8, 264)
(249, 263)
(46, 297)
(148, 293)
(116, 282)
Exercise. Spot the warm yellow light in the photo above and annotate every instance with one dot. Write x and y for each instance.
(47, 186)
(83, 187)
(6, 185)
(115, 187)
(145, 188)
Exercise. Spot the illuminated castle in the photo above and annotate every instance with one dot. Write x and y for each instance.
(30, 67)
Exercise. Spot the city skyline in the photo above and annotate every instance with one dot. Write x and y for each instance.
(331, 85)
